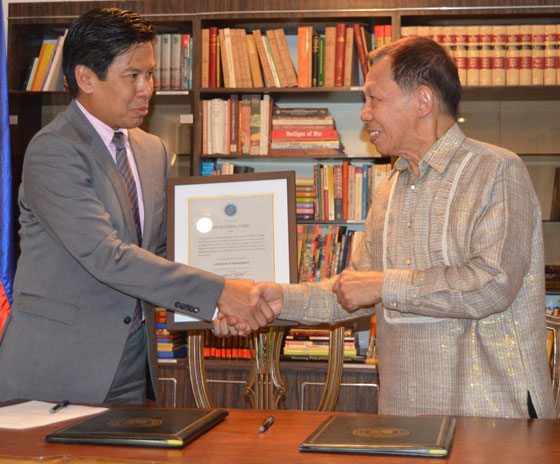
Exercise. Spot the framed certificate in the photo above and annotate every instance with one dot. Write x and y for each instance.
(239, 226)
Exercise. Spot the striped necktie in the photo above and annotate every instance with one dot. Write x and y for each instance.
(123, 167)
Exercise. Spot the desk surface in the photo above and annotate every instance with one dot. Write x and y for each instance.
(237, 440)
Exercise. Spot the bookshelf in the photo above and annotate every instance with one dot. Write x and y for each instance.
(496, 114)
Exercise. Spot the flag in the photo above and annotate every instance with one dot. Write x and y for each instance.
(6, 230)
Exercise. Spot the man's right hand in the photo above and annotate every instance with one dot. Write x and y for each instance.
(263, 297)
(235, 302)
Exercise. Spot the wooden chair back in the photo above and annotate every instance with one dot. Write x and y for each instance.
(265, 387)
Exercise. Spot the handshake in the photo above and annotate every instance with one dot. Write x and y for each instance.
(245, 306)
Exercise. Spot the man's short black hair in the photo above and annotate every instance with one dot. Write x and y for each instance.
(97, 37)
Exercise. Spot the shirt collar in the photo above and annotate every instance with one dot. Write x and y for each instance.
(105, 132)
(440, 153)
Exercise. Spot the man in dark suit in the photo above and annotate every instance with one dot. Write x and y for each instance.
(93, 236)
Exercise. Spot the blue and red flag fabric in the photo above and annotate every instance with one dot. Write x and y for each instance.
(6, 229)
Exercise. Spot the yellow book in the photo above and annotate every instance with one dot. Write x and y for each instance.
(45, 56)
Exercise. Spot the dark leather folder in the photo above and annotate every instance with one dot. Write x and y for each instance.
(153, 427)
(371, 434)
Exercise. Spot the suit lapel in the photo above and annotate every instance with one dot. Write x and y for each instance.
(103, 158)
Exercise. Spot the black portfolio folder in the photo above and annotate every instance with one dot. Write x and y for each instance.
(166, 428)
(370, 434)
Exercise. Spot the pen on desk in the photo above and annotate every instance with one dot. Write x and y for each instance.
(59, 406)
(266, 424)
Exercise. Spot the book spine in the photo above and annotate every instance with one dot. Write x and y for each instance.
(185, 61)
(473, 55)
(339, 54)
(256, 74)
(314, 58)
(499, 55)
(537, 55)
(304, 52)
(362, 55)
(486, 55)
(378, 36)
(349, 56)
(289, 69)
(461, 52)
(175, 62)
(234, 124)
(550, 51)
(263, 57)
(525, 55)
(277, 58)
(204, 58)
(321, 63)
(330, 43)
(255, 137)
(274, 68)
(165, 73)
(512, 55)
(212, 57)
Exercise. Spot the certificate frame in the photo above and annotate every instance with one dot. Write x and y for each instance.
(181, 190)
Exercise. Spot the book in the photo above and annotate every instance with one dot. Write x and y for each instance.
(372, 434)
(361, 49)
(204, 58)
(264, 59)
(277, 60)
(213, 57)
(330, 45)
(254, 63)
(31, 74)
(339, 54)
(165, 69)
(304, 72)
(150, 427)
(289, 69)
(46, 53)
(54, 80)
(175, 57)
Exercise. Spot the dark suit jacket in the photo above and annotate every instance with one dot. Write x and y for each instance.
(81, 269)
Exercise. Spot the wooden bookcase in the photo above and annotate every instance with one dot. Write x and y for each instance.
(525, 119)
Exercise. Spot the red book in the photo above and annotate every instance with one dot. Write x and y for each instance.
(305, 134)
(213, 57)
(339, 54)
(360, 46)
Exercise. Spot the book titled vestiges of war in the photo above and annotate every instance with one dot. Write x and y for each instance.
(371, 434)
(152, 427)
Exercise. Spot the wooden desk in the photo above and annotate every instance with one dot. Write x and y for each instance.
(237, 440)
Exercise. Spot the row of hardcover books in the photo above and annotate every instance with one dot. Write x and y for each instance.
(324, 250)
(339, 192)
(45, 70)
(250, 125)
(253, 59)
(173, 56)
(519, 54)
(313, 343)
(234, 348)
(236, 126)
